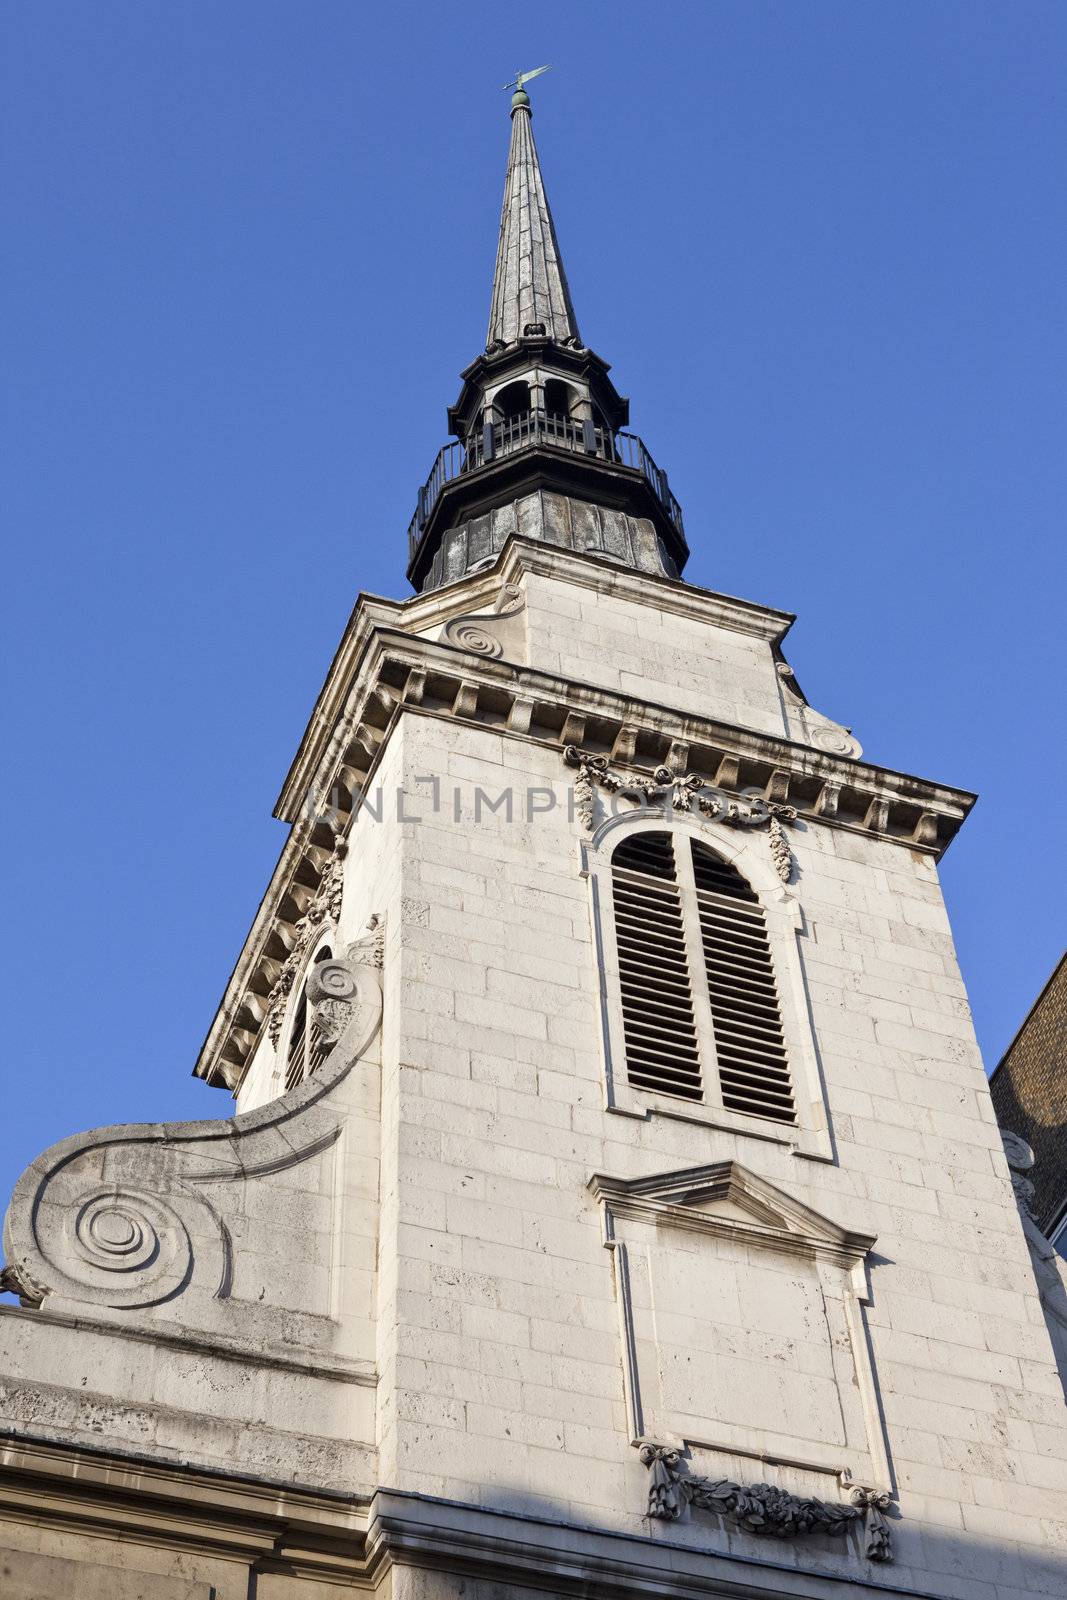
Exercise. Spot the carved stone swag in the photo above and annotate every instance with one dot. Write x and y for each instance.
(667, 788)
(763, 1508)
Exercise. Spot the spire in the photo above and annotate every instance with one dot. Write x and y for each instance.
(529, 285)
(537, 445)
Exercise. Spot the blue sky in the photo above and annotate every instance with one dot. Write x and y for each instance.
(250, 248)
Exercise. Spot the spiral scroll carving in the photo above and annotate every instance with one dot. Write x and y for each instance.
(835, 741)
(470, 633)
(132, 1246)
(332, 980)
(479, 641)
(135, 1216)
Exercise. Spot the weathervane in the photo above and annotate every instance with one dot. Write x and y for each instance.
(521, 78)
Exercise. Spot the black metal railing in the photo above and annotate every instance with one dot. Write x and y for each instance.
(525, 431)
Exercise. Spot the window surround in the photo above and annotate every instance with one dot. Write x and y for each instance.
(810, 1136)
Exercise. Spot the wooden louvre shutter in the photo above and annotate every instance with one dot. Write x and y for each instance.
(749, 1044)
(294, 1055)
(657, 1000)
(307, 1049)
(692, 941)
(318, 1049)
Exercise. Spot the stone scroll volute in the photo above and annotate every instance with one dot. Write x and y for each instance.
(143, 1218)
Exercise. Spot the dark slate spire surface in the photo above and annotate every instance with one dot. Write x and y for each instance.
(529, 285)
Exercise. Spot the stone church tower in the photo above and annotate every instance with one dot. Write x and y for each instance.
(613, 1204)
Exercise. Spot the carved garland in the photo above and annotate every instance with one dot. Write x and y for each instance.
(762, 1508)
(667, 787)
(326, 906)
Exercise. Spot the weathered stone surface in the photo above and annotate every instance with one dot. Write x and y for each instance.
(205, 1290)
(476, 1271)
(558, 521)
(27, 1575)
(505, 523)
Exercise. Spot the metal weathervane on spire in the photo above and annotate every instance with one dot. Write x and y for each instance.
(520, 97)
(524, 77)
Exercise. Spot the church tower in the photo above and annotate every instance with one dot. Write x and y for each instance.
(612, 1203)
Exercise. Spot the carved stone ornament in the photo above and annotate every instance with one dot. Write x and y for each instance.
(140, 1214)
(816, 729)
(332, 986)
(469, 633)
(1020, 1158)
(666, 788)
(325, 907)
(762, 1508)
(1047, 1264)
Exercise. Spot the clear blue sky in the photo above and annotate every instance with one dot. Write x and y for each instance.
(250, 248)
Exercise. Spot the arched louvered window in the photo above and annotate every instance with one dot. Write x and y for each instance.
(306, 1049)
(700, 1008)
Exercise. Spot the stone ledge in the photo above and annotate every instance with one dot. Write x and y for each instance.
(331, 1369)
(290, 1528)
(526, 1551)
(149, 1498)
(519, 556)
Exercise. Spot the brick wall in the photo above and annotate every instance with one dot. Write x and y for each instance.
(1029, 1090)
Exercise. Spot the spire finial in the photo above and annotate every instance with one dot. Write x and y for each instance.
(520, 98)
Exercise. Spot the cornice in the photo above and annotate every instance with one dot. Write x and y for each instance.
(776, 1219)
(391, 656)
(384, 669)
(305, 1532)
(155, 1501)
(401, 673)
(518, 557)
(520, 1552)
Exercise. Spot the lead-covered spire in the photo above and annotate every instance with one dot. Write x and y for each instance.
(537, 445)
(529, 286)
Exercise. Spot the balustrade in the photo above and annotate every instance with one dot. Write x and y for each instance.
(534, 429)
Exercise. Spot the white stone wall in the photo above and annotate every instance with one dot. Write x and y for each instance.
(455, 1247)
(653, 654)
(271, 1371)
(508, 1366)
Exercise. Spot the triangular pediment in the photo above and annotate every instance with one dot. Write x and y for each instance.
(739, 1211)
(726, 1195)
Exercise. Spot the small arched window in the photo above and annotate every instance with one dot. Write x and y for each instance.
(513, 400)
(700, 1008)
(306, 1050)
(558, 399)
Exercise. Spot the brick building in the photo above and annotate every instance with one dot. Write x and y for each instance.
(1029, 1089)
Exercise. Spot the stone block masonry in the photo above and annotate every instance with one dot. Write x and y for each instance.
(470, 1279)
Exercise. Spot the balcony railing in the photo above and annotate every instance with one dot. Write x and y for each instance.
(525, 431)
